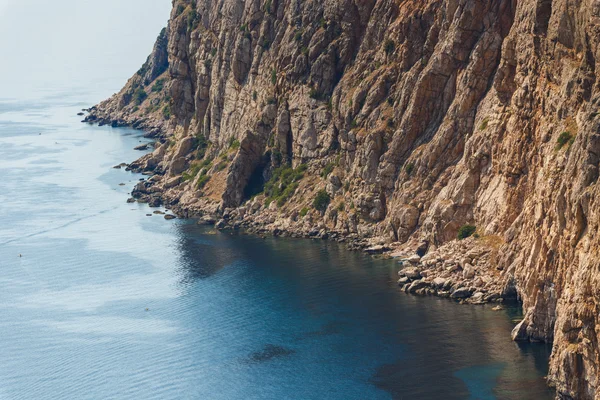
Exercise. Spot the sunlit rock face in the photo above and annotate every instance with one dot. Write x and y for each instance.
(415, 118)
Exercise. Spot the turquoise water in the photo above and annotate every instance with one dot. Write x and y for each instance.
(106, 302)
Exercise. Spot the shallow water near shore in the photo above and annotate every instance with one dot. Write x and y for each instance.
(106, 302)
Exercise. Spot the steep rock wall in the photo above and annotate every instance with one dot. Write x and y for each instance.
(416, 118)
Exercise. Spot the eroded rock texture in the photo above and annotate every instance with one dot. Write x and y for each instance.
(416, 117)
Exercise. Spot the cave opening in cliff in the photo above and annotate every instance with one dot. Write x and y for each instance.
(256, 182)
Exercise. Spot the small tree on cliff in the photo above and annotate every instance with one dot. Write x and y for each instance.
(321, 201)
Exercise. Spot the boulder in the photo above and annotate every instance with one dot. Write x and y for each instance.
(468, 271)
(414, 259)
(452, 268)
(170, 183)
(403, 281)
(411, 273)
(178, 166)
(478, 298)
(492, 298)
(461, 293)
(378, 249)
(155, 201)
(417, 285)
(141, 147)
(207, 220)
(448, 285)
(439, 282)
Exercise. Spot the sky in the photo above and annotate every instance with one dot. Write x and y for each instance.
(49, 45)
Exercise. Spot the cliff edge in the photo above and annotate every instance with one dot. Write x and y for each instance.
(395, 124)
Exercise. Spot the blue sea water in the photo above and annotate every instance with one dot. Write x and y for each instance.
(106, 302)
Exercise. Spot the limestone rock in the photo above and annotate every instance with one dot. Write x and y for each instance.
(417, 285)
(411, 273)
(461, 293)
(484, 114)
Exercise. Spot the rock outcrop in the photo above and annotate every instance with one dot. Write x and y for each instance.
(394, 123)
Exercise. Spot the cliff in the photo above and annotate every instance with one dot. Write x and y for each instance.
(394, 123)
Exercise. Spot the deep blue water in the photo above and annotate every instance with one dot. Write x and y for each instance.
(229, 316)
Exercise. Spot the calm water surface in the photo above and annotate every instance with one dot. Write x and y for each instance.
(229, 316)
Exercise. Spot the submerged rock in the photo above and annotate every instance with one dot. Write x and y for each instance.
(141, 147)
(377, 249)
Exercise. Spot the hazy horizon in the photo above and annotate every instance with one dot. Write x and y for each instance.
(67, 44)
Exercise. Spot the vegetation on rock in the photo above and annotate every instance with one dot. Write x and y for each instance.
(321, 201)
(563, 139)
(283, 183)
(466, 231)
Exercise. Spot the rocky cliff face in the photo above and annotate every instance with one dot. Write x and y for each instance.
(394, 122)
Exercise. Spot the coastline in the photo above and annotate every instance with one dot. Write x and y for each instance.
(395, 136)
(459, 270)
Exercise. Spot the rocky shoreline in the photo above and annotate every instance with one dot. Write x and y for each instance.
(458, 270)
(392, 126)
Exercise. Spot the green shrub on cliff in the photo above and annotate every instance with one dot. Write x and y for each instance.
(221, 166)
(327, 170)
(158, 85)
(321, 201)
(484, 124)
(201, 146)
(265, 44)
(166, 112)
(202, 181)
(563, 139)
(283, 183)
(466, 231)
(139, 96)
(193, 19)
(273, 76)
(288, 192)
(234, 144)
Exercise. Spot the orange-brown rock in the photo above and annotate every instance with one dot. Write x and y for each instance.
(416, 118)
